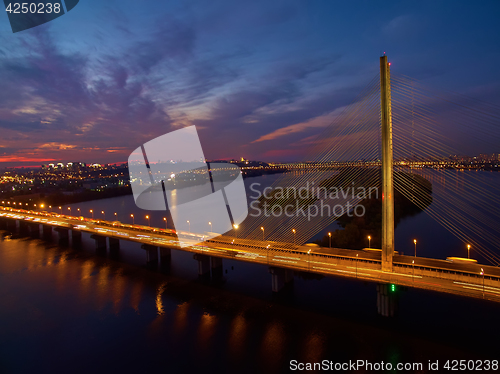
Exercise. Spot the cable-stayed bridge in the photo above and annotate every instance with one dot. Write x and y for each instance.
(418, 127)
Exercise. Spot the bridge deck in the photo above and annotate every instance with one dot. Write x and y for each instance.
(426, 273)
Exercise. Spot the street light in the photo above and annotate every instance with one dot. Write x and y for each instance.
(189, 226)
(415, 242)
(60, 208)
(468, 250)
(149, 221)
(103, 215)
(413, 276)
(330, 239)
(369, 241)
(133, 219)
(91, 211)
(262, 228)
(165, 219)
(78, 209)
(356, 265)
(211, 227)
(294, 232)
(50, 206)
(309, 259)
(69, 208)
(482, 273)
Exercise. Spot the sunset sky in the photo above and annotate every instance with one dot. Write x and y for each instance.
(257, 78)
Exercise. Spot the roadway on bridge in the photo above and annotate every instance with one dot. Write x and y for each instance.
(433, 274)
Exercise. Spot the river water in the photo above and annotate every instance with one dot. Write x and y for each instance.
(65, 310)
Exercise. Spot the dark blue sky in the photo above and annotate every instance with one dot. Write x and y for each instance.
(257, 78)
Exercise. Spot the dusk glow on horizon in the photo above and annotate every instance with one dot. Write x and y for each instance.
(262, 79)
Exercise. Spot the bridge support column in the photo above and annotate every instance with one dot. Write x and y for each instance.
(100, 242)
(280, 278)
(34, 229)
(203, 265)
(387, 167)
(387, 300)
(114, 247)
(217, 270)
(11, 225)
(63, 235)
(76, 237)
(24, 228)
(151, 254)
(165, 257)
(47, 231)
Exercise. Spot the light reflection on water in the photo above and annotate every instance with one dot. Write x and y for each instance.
(64, 308)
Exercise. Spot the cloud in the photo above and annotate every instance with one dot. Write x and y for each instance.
(321, 122)
(55, 145)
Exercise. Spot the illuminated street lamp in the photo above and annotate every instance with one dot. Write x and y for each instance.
(91, 211)
(133, 220)
(415, 242)
(78, 209)
(468, 250)
(60, 209)
(413, 276)
(482, 273)
(149, 221)
(356, 265)
(165, 219)
(50, 206)
(262, 228)
(369, 241)
(330, 239)
(69, 208)
(294, 232)
(189, 226)
(103, 215)
(211, 227)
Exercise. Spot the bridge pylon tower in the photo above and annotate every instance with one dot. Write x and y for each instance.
(387, 166)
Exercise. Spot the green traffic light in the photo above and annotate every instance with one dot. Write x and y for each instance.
(393, 287)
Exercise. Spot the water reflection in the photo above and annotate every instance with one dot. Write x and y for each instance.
(237, 336)
(206, 330)
(273, 345)
(180, 318)
(136, 294)
(159, 303)
(66, 306)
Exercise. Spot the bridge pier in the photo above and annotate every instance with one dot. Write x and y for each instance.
(165, 257)
(151, 254)
(63, 235)
(10, 224)
(76, 237)
(387, 300)
(280, 278)
(34, 229)
(24, 228)
(114, 247)
(100, 242)
(217, 270)
(203, 265)
(47, 232)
